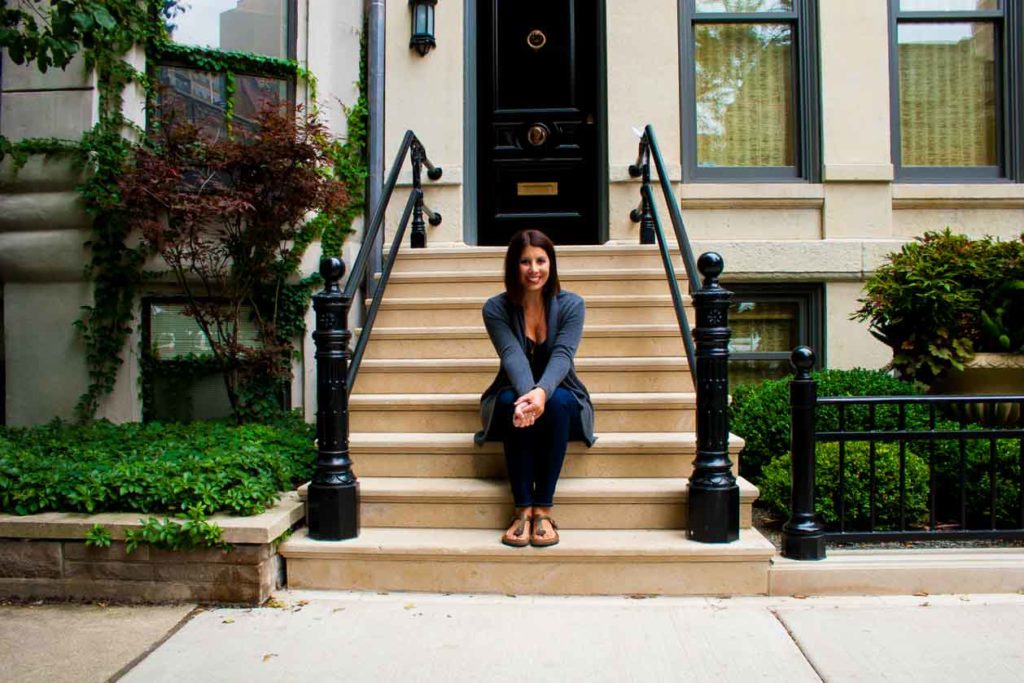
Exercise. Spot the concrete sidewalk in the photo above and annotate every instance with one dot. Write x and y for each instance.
(415, 637)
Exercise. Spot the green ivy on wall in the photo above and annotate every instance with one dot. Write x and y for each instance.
(103, 32)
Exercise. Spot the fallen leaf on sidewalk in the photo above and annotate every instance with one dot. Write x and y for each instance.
(410, 605)
(799, 596)
(921, 594)
(275, 603)
(267, 657)
(228, 621)
(926, 604)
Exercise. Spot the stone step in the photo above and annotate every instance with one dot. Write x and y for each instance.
(472, 342)
(602, 309)
(586, 562)
(470, 503)
(468, 375)
(615, 454)
(614, 412)
(570, 257)
(585, 282)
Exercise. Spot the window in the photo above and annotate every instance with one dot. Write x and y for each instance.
(254, 27)
(952, 77)
(767, 322)
(180, 381)
(749, 89)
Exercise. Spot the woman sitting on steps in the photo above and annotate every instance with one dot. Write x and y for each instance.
(536, 404)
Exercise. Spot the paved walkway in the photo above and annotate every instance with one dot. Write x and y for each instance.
(414, 637)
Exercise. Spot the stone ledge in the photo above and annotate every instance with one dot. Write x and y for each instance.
(257, 529)
(957, 196)
(895, 572)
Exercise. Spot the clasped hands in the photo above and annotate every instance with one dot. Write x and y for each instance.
(529, 407)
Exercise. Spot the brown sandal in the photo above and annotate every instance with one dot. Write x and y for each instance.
(520, 537)
(537, 536)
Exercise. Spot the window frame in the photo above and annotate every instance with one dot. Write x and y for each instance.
(810, 301)
(291, 46)
(1007, 26)
(805, 96)
(147, 302)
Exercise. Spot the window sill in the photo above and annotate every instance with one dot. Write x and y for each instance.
(958, 196)
(752, 195)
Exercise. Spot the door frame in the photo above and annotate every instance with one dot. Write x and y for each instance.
(470, 165)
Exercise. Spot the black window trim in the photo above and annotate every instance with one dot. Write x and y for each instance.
(810, 300)
(806, 95)
(1009, 107)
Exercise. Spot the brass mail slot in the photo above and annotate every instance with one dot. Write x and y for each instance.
(536, 189)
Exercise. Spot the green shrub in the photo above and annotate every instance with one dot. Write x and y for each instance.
(977, 467)
(775, 485)
(152, 468)
(943, 297)
(760, 413)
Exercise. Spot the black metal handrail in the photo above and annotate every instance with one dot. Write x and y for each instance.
(713, 499)
(804, 535)
(332, 500)
(651, 231)
(415, 209)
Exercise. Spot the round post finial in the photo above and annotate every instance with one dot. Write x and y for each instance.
(710, 265)
(332, 269)
(802, 359)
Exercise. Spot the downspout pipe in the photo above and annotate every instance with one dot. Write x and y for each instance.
(375, 26)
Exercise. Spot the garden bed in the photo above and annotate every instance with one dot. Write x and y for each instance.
(149, 512)
(45, 556)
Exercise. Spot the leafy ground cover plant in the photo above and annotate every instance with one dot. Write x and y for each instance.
(760, 413)
(199, 468)
(929, 302)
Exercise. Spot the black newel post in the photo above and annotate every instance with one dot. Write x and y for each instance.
(418, 238)
(802, 536)
(714, 497)
(333, 498)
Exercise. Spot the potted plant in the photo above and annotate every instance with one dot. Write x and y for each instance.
(952, 310)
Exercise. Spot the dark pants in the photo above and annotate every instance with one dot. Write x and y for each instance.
(534, 454)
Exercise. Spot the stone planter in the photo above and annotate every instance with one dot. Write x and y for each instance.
(45, 556)
(988, 374)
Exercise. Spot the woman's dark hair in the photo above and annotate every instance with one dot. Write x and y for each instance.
(519, 242)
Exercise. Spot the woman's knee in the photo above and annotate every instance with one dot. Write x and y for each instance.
(561, 401)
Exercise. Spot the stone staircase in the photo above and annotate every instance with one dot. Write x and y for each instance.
(434, 505)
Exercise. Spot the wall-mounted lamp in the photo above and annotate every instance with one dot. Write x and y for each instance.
(422, 26)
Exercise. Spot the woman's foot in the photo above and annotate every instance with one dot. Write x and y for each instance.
(545, 529)
(518, 533)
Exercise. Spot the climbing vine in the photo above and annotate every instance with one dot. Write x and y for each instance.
(103, 32)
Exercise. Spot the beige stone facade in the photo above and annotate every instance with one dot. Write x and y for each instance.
(834, 232)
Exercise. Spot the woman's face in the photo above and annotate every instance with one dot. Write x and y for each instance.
(534, 268)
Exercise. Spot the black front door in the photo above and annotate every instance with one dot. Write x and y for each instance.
(540, 133)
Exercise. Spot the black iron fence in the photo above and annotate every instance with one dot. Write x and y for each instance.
(901, 468)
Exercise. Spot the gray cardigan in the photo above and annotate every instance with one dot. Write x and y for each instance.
(506, 327)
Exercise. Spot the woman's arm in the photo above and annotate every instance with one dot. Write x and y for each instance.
(513, 358)
(563, 349)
